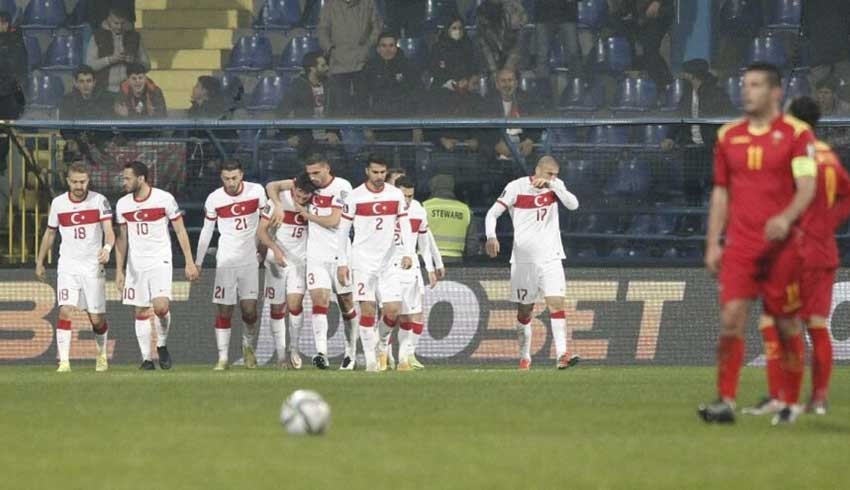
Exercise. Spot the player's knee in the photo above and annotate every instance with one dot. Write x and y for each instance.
(65, 312)
(160, 311)
(278, 311)
(249, 317)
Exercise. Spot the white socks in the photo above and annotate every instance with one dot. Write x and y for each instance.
(143, 336)
(523, 331)
(163, 325)
(369, 339)
(352, 332)
(63, 339)
(277, 323)
(320, 328)
(222, 337)
(296, 321)
(559, 333)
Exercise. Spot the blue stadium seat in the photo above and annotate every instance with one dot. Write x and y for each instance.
(653, 134)
(636, 95)
(631, 179)
(65, 52)
(665, 223)
(597, 223)
(414, 49)
(279, 14)
(592, 14)
(740, 14)
(643, 224)
(786, 14)
(232, 86)
(438, 12)
(471, 15)
(33, 51)
(580, 95)
(612, 55)
(315, 14)
(294, 52)
(530, 10)
(557, 59)
(797, 85)
(579, 174)
(251, 53)
(768, 49)
(268, 93)
(609, 135)
(733, 86)
(585, 252)
(44, 14)
(673, 95)
(562, 136)
(45, 91)
(79, 16)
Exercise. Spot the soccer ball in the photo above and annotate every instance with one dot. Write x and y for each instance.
(305, 412)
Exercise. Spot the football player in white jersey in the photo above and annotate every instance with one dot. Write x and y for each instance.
(235, 208)
(377, 269)
(84, 221)
(323, 250)
(286, 268)
(143, 215)
(536, 262)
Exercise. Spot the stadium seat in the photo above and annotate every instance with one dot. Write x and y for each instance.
(643, 224)
(33, 51)
(586, 252)
(740, 14)
(636, 95)
(438, 12)
(315, 13)
(733, 87)
(251, 53)
(561, 136)
(673, 95)
(578, 173)
(631, 180)
(10, 7)
(414, 49)
(268, 93)
(530, 10)
(612, 55)
(768, 49)
(580, 95)
(279, 14)
(609, 135)
(665, 223)
(786, 14)
(44, 14)
(232, 87)
(483, 86)
(653, 134)
(797, 85)
(294, 52)
(557, 59)
(471, 15)
(592, 14)
(45, 91)
(597, 223)
(65, 52)
(79, 16)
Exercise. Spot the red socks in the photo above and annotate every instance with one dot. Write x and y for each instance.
(793, 361)
(773, 359)
(730, 358)
(821, 361)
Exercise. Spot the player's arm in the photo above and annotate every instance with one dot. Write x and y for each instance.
(344, 243)
(805, 171)
(841, 208)
(265, 236)
(408, 241)
(204, 240)
(439, 266)
(46, 245)
(273, 190)
(718, 213)
(108, 241)
(330, 221)
(183, 239)
(490, 220)
(120, 256)
(567, 198)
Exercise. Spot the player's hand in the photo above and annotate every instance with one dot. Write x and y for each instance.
(279, 258)
(277, 217)
(39, 272)
(406, 263)
(492, 247)
(441, 273)
(342, 274)
(539, 182)
(103, 256)
(526, 147)
(304, 212)
(192, 273)
(713, 254)
(777, 228)
(119, 282)
(432, 279)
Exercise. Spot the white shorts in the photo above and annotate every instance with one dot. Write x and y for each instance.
(322, 275)
(141, 287)
(236, 283)
(412, 293)
(280, 282)
(88, 293)
(529, 280)
(384, 285)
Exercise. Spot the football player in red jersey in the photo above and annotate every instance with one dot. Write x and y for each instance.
(764, 179)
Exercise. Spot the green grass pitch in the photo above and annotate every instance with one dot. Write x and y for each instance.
(589, 427)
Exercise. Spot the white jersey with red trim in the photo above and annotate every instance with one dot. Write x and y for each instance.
(292, 234)
(534, 212)
(79, 225)
(418, 217)
(322, 243)
(375, 216)
(147, 221)
(237, 216)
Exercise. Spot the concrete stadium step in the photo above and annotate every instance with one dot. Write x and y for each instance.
(187, 59)
(192, 19)
(195, 4)
(178, 99)
(177, 79)
(188, 38)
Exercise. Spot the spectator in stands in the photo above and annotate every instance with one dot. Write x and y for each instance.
(500, 23)
(113, 47)
(646, 23)
(561, 17)
(455, 98)
(208, 100)
(829, 101)
(85, 101)
(508, 101)
(348, 30)
(452, 58)
(705, 99)
(98, 10)
(740, 21)
(13, 65)
(449, 219)
(13, 52)
(826, 24)
(139, 97)
(308, 97)
(405, 17)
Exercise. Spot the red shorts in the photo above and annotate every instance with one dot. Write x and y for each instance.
(775, 277)
(816, 292)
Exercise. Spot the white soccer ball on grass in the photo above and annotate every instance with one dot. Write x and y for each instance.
(305, 412)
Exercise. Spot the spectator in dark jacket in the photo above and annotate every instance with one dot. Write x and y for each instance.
(13, 52)
(114, 46)
(826, 24)
(500, 23)
(452, 57)
(98, 10)
(85, 101)
(392, 81)
(508, 102)
(140, 98)
(457, 99)
(208, 100)
(556, 17)
(646, 23)
(308, 97)
(706, 99)
(13, 72)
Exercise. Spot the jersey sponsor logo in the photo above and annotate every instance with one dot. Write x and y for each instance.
(237, 209)
(142, 215)
(740, 140)
(77, 218)
(533, 202)
(378, 208)
(294, 218)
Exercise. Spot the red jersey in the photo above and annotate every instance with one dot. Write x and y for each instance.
(829, 209)
(757, 169)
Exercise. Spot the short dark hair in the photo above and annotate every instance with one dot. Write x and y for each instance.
(211, 84)
(376, 159)
(805, 109)
(119, 12)
(304, 183)
(78, 166)
(6, 17)
(387, 34)
(136, 69)
(316, 157)
(774, 78)
(405, 183)
(83, 70)
(139, 169)
(311, 59)
(231, 164)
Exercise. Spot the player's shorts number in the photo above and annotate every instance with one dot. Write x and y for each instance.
(63, 294)
(129, 293)
(79, 233)
(142, 228)
(219, 292)
(521, 294)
